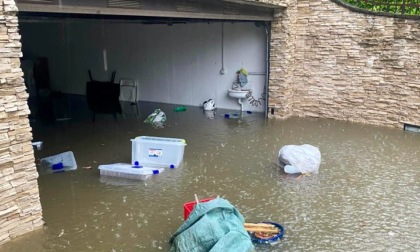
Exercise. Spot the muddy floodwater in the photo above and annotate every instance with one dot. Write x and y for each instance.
(366, 196)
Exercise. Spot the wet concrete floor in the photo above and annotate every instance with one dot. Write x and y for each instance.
(365, 198)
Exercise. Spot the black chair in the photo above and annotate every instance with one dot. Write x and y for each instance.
(103, 96)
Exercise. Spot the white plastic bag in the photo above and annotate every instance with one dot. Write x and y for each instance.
(157, 116)
(299, 158)
(160, 117)
(209, 105)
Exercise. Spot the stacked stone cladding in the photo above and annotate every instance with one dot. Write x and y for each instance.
(282, 67)
(344, 65)
(20, 208)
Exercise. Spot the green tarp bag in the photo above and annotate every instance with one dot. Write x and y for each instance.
(213, 226)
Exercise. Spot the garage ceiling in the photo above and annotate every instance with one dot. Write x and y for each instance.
(201, 9)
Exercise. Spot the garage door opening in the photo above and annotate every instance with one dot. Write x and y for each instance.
(171, 60)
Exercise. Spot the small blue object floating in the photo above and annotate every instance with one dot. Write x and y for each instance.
(137, 165)
(57, 166)
(172, 166)
(270, 239)
(232, 115)
(155, 171)
(249, 112)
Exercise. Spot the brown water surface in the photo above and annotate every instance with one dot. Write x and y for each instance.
(366, 196)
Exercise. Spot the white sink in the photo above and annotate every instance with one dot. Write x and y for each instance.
(239, 94)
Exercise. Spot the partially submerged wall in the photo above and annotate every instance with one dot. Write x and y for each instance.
(20, 209)
(282, 65)
(330, 62)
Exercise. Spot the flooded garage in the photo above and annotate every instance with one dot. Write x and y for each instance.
(316, 59)
(365, 197)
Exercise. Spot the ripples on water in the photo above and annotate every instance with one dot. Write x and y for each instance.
(365, 198)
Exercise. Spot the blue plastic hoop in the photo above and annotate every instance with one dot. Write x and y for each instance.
(271, 239)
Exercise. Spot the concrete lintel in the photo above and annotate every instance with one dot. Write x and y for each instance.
(134, 12)
(256, 3)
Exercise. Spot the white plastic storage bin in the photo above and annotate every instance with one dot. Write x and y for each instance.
(122, 170)
(157, 151)
(61, 162)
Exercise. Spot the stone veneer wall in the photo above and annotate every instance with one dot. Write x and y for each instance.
(331, 62)
(20, 208)
(282, 67)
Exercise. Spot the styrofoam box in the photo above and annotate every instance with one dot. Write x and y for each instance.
(157, 151)
(66, 159)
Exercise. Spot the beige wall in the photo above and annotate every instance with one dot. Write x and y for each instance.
(20, 208)
(330, 62)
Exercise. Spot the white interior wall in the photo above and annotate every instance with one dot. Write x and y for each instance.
(178, 64)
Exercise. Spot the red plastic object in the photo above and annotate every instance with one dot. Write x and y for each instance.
(189, 207)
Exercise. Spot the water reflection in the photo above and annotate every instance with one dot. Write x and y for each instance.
(210, 114)
(365, 197)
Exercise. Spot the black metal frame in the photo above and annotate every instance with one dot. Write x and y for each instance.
(408, 9)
